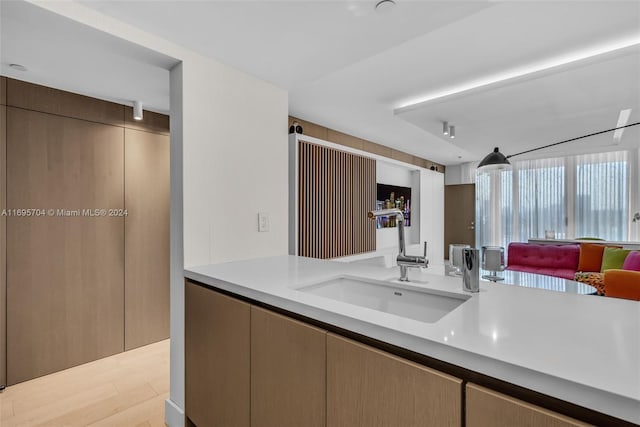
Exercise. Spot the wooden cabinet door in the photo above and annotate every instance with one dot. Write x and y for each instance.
(367, 387)
(65, 271)
(146, 302)
(288, 372)
(217, 358)
(488, 408)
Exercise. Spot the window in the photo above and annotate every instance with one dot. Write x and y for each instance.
(578, 196)
(541, 199)
(602, 196)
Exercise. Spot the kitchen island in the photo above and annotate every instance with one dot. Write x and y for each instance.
(576, 355)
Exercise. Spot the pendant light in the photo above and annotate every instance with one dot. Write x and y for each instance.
(497, 160)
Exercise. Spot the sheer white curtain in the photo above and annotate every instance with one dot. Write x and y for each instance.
(540, 199)
(602, 196)
(494, 208)
(634, 195)
(579, 196)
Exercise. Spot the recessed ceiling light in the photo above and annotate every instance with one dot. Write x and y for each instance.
(18, 67)
(521, 71)
(385, 6)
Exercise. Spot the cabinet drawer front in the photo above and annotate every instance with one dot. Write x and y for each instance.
(488, 408)
(288, 372)
(217, 358)
(368, 387)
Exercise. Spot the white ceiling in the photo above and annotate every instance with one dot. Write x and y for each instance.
(544, 108)
(348, 67)
(61, 53)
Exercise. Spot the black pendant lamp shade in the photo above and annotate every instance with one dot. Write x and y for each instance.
(495, 160)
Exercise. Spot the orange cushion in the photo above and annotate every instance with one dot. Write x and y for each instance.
(622, 284)
(591, 256)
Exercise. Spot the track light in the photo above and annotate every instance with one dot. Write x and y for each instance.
(137, 110)
(448, 130)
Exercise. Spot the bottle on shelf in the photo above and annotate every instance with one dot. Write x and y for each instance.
(407, 212)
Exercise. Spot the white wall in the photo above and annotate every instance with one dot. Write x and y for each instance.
(234, 165)
(235, 157)
(432, 214)
(464, 173)
(231, 131)
(174, 406)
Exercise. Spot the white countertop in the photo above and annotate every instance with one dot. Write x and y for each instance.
(579, 348)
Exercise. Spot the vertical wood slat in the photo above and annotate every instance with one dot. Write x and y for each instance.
(336, 190)
(328, 202)
(312, 217)
(301, 198)
(318, 211)
(337, 209)
(319, 189)
(341, 194)
(308, 203)
(309, 216)
(322, 202)
(313, 183)
(317, 238)
(355, 171)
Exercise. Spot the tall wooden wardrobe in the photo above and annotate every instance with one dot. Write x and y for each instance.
(84, 246)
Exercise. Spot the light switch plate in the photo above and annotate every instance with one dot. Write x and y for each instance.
(263, 221)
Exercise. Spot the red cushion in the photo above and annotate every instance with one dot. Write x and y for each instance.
(548, 257)
(632, 261)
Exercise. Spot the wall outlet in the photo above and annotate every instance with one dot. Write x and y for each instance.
(263, 221)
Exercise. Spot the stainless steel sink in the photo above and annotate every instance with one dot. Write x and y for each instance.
(413, 302)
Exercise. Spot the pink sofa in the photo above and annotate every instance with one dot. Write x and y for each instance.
(550, 260)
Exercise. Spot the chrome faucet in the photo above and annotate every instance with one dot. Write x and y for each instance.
(404, 261)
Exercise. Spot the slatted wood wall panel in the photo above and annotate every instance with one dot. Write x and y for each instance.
(336, 190)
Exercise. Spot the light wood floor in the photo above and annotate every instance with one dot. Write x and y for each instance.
(128, 389)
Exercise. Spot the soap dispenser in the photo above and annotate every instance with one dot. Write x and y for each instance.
(470, 270)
